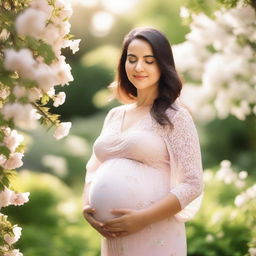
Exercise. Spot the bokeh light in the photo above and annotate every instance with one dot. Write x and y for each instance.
(101, 23)
(119, 6)
(86, 3)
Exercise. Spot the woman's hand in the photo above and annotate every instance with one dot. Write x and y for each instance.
(88, 215)
(130, 222)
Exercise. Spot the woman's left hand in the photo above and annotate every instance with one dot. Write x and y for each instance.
(129, 222)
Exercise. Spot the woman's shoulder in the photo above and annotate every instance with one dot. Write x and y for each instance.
(178, 111)
(113, 112)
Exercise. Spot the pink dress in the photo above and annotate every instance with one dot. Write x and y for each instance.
(139, 166)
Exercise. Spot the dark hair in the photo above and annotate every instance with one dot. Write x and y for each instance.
(169, 84)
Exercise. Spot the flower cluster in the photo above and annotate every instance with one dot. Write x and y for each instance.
(228, 175)
(31, 64)
(218, 60)
(37, 65)
(11, 234)
(246, 196)
(9, 197)
(238, 206)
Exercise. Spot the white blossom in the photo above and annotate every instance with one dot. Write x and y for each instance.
(4, 93)
(51, 92)
(5, 197)
(63, 72)
(74, 45)
(246, 196)
(31, 22)
(224, 75)
(184, 12)
(12, 139)
(9, 197)
(19, 91)
(20, 198)
(34, 94)
(226, 173)
(225, 164)
(11, 239)
(65, 7)
(209, 238)
(59, 99)
(240, 200)
(14, 252)
(48, 22)
(51, 34)
(23, 115)
(64, 28)
(42, 5)
(242, 110)
(62, 130)
(251, 192)
(4, 34)
(14, 61)
(45, 77)
(14, 161)
(243, 175)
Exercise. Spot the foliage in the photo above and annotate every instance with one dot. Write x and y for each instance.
(208, 6)
(224, 226)
(32, 34)
(52, 220)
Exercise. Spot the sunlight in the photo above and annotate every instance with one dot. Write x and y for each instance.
(86, 3)
(101, 23)
(119, 6)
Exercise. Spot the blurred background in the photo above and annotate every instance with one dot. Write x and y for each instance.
(54, 171)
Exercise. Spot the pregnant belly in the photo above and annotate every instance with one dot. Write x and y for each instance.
(124, 183)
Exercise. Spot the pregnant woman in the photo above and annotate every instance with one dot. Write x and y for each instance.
(144, 178)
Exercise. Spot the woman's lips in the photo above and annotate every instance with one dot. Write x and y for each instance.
(139, 77)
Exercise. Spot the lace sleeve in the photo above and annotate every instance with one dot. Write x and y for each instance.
(186, 164)
(93, 163)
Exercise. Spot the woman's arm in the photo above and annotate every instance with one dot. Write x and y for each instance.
(162, 209)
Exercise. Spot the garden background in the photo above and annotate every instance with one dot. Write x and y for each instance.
(53, 171)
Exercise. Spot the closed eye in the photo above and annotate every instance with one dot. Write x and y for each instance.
(132, 61)
(148, 59)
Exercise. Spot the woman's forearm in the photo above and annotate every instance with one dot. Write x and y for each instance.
(166, 207)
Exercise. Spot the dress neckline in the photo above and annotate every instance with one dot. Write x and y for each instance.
(135, 124)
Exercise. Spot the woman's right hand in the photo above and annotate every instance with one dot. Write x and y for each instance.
(88, 215)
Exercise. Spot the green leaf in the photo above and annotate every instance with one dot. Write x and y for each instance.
(2, 121)
(41, 49)
(1, 136)
(1, 186)
(6, 181)
(5, 151)
(6, 17)
(27, 83)
(6, 80)
(45, 99)
(21, 148)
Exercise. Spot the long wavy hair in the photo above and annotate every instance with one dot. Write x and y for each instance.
(169, 85)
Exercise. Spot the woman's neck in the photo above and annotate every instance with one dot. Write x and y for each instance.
(146, 97)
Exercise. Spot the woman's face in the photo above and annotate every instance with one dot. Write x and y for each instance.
(141, 67)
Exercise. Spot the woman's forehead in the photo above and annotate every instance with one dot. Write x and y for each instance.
(139, 47)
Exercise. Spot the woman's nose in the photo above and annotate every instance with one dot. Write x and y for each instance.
(139, 66)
